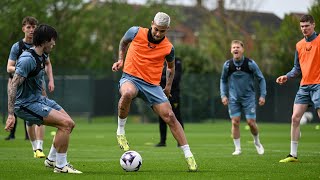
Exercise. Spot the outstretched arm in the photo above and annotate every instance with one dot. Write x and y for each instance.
(17, 80)
(295, 72)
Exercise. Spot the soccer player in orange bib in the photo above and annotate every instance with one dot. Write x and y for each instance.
(142, 69)
(306, 63)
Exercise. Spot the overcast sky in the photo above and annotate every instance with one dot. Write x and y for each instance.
(278, 7)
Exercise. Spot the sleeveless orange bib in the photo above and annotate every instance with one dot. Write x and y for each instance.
(145, 60)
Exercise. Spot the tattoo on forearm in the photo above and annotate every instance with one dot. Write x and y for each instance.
(168, 74)
(12, 91)
(123, 48)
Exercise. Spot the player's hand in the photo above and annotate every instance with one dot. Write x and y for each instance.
(262, 101)
(10, 122)
(51, 86)
(224, 100)
(282, 79)
(117, 65)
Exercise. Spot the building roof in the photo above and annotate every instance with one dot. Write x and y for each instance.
(247, 19)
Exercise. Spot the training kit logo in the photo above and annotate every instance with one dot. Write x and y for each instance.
(151, 46)
(238, 68)
(308, 47)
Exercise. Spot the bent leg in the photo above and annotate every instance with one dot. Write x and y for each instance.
(64, 124)
(165, 112)
(255, 133)
(253, 126)
(128, 91)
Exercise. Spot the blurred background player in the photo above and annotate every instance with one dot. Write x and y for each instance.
(174, 99)
(237, 91)
(26, 100)
(146, 54)
(306, 63)
(35, 132)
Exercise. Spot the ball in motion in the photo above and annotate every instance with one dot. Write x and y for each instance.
(306, 117)
(131, 161)
(53, 133)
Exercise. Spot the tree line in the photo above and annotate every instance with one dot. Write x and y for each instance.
(89, 35)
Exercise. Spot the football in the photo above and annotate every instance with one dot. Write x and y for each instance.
(306, 117)
(131, 161)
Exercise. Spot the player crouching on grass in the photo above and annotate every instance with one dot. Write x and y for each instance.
(26, 100)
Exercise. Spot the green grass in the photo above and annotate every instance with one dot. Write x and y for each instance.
(93, 149)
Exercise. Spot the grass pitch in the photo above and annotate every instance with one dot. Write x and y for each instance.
(93, 150)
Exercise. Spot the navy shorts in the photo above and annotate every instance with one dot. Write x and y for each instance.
(151, 94)
(308, 94)
(34, 112)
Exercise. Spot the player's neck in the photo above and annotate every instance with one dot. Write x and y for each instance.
(237, 58)
(27, 40)
(39, 50)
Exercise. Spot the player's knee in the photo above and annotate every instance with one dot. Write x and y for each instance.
(251, 123)
(68, 125)
(236, 123)
(295, 120)
(127, 94)
(169, 118)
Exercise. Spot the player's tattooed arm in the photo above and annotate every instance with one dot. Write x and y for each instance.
(170, 73)
(123, 46)
(169, 78)
(12, 91)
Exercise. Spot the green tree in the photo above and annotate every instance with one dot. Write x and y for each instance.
(89, 33)
(262, 50)
(286, 38)
(315, 12)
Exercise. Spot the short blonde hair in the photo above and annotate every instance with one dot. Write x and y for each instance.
(237, 42)
(162, 19)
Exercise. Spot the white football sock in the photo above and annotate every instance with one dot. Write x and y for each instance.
(61, 160)
(52, 154)
(294, 148)
(256, 139)
(236, 143)
(121, 125)
(186, 151)
(34, 144)
(39, 144)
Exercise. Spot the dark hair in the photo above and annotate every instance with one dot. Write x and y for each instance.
(29, 20)
(307, 18)
(44, 33)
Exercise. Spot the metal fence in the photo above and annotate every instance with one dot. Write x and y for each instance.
(91, 96)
